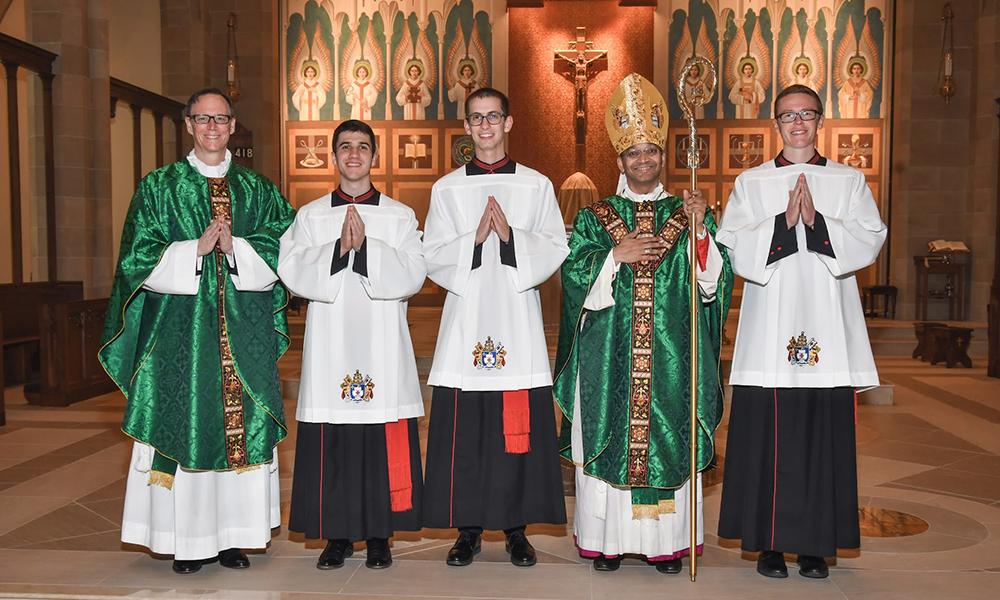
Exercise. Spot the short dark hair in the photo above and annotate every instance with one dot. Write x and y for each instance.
(354, 125)
(211, 91)
(797, 88)
(488, 92)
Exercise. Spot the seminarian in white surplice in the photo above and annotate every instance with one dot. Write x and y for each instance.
(797, 229)
(494, 234)
(356, 255)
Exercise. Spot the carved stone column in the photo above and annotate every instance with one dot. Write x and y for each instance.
(78, 33)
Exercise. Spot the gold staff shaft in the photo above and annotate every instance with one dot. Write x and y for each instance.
(689, 104)
(695, 301)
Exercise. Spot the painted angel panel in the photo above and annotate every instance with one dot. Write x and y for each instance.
(858, 72)
(310, 76)
(361, 75)
(414, 74)
(748, 74)
(803, 62)
(467, 69)
(697, 90)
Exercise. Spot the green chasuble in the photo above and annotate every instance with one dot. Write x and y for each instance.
(632, 358)
(202, 384)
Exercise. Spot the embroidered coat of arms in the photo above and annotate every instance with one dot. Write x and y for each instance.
(357, 388)
(803, 352)
(489, 355)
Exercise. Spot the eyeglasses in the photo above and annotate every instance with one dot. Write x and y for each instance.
(204, 119)
(635, 153)
(493, 118)
(806, 114)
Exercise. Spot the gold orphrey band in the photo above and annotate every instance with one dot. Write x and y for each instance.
(232, 387)
(642, 323)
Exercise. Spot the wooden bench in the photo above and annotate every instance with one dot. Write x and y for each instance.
(21, 332)
(925, 341)
(951, 346)
(71, 338)
(940, 342)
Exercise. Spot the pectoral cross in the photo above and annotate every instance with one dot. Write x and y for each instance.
(580, 63)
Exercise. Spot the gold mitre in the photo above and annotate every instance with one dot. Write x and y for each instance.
(636, 114)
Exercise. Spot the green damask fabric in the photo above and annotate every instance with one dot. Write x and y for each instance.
(163, 349)
(600, 354)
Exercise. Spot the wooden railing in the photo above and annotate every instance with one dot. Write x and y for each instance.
(139, 99)
(15, 54)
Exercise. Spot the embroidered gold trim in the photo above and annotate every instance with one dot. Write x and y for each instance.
(653, 511)
(643, 292)
(164, 480)
(232, 387)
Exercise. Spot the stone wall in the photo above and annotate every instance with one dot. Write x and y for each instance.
(195, 41)
(982, 199)
(77, 30)
(944, 155)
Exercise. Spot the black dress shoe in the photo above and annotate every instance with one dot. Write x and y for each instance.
(334, 554)
(772, 564)
(187, 567)
(466, 546)
(522, 553)
(670, 567)
(604, 563)
(379, 556)
(234, 558)
(813, 567)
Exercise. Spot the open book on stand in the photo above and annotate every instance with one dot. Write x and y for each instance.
(942, 246)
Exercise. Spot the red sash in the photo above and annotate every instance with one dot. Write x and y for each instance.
(516, 422)
(397, 449)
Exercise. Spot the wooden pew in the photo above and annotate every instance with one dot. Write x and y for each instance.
(20, 336)
(70, 340)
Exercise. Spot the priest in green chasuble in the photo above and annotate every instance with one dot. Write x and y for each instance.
(195, 326)
(622, 370)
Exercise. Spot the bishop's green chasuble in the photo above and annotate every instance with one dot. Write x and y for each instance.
(199, 371)
(631, 360)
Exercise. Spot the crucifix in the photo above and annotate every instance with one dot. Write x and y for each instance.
(580, 63)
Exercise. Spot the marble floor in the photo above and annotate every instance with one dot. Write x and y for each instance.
(929, 475)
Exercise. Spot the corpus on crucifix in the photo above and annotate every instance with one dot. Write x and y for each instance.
(580, 63)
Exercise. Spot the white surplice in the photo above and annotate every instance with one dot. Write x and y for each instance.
(494, 301)
(355, 322)
(205, 511)
(603, 521)
(806, 293)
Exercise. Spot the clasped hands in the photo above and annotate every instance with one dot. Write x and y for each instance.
(352, 235)
(800, 204)
(219, 234)
(636, 247)
(493, 220)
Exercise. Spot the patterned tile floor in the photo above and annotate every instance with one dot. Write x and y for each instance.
(928, 463)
